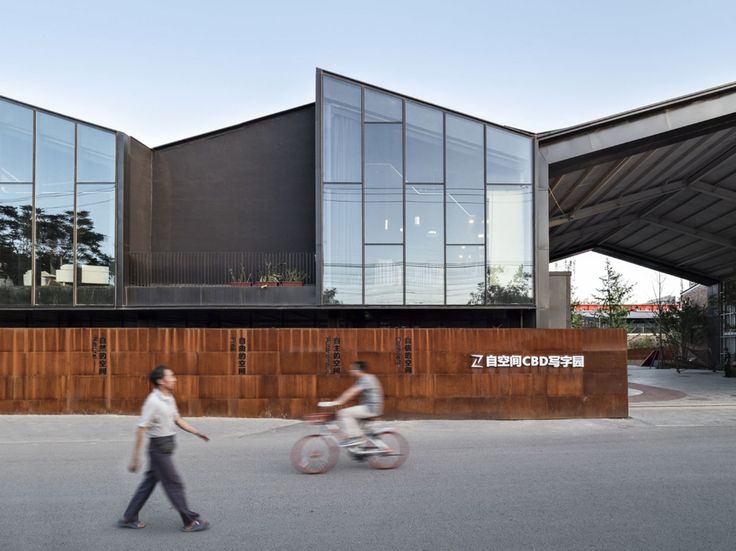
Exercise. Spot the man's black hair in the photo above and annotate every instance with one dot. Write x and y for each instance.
(157, 374)
(358, 366)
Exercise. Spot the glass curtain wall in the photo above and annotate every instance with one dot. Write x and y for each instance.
(422, 206)
(68, 196)
(510, 246)
(16, 204)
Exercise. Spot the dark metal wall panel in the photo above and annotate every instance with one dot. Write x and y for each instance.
(250, 188)
(137, 233)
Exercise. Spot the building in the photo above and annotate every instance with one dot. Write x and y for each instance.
(365, 209)
(389, 210)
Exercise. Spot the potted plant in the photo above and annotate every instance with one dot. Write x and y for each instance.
(270, 278)
(241, 280)
(293, 278)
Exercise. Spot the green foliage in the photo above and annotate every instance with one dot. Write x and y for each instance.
(292, 274)
(682, 329)
(328, 296)
(271, 275)
(241, 276)
(494, 291)
(642, 341)
(54, 242)
(576, 318)
(612, 295)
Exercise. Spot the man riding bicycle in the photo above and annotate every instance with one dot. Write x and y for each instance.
(371, 403)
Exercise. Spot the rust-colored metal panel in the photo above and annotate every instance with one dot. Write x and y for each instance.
(283, 372)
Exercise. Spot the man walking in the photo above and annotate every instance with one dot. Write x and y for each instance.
(158, 419)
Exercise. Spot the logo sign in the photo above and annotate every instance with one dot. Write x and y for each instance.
(479, 361)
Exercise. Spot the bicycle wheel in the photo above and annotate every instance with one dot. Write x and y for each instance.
(314, 454)
(396, 452)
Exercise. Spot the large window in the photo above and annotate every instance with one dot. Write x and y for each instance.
(16, 143)
(425, 245)
(95, 243)
(342, 248)
(383, 184)
(16, 240)
(341, 125)
(54, 210)
(424, 159)
(422, 206)
(509, 157)
(384, 274)
(510, 245)
(72, 184)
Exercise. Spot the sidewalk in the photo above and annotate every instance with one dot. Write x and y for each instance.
(691, 398)
(689, 388)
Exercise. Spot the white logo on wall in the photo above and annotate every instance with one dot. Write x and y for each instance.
(492, 360)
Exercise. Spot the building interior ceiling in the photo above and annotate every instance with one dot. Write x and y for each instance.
(655, 187)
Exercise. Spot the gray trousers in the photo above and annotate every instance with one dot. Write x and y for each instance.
(161, 469)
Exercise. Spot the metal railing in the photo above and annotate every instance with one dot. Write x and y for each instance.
(153, 269)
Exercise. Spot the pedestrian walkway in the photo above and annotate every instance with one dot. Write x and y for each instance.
(690, 387)
(664, 397)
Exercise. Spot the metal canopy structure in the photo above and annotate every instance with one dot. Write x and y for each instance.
(655, 186)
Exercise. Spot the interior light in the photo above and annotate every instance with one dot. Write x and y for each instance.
(385, 224)
(432, 232)
(471, 221)
(459, 256)
(417, 221)
(480, 236)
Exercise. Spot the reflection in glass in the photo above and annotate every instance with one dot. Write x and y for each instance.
(509, 157)
(342, 247)
(341, 129)
(464, 154)
(425, 245)
(16, 143)
(95, 244)
(16, 208)
(384, 212)
(54, 210)
(424, 156)
(510, 245)
(381, 107)
(465, 268)
(465, 216)
(95, 155)
(383, 274)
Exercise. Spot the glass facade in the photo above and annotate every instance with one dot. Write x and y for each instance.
(342, 280)
(440, 209)
(68, 197)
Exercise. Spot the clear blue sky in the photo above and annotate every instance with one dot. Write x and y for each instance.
(165, 70)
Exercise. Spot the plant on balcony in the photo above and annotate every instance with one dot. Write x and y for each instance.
(270, 278)
(241, 279)
(293, 278)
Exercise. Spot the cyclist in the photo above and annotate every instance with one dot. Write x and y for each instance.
(371, 403)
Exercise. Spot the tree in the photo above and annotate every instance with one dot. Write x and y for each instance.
(682, 329)
(612, 295)
(517, 291)
(576, 318)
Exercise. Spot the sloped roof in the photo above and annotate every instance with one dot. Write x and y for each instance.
(655, 186)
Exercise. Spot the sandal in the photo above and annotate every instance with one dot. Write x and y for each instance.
(196, 526)
(135, 525)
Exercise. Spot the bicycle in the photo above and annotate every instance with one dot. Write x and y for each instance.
(317, 453)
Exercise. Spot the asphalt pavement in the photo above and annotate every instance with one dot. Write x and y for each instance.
(662, 479)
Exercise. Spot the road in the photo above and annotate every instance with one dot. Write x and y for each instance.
(663, 479)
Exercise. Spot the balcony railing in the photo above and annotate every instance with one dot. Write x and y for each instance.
(182, 269)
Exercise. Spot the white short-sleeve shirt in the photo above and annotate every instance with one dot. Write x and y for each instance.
(159, 414)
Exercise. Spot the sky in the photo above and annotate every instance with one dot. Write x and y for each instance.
(165, 70)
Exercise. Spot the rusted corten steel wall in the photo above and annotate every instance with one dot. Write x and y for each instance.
(284, 372)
